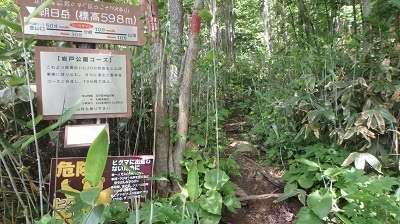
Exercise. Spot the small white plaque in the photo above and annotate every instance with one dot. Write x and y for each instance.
(82, 135)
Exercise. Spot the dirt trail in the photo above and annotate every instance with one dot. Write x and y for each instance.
(258, 182)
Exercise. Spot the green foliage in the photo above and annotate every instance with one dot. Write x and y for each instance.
(340, 192)
(205, 15)
(216, 193)
(96, 158)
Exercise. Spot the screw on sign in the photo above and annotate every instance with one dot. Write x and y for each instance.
(84, 21)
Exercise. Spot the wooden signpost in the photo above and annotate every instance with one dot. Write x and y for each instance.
(101, 77)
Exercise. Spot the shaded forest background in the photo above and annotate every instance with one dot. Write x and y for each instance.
(318, 81)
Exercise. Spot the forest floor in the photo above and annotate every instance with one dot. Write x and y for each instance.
(258, 183)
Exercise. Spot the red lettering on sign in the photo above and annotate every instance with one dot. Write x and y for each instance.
(81, 25)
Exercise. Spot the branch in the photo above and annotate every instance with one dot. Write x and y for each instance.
(259, 197)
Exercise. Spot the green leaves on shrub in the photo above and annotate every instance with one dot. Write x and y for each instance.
(211, 202)
(320, 203)
(307, 216)
(215, 179)
(96, 158)
(193, 185)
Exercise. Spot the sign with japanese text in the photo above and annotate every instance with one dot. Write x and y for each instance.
(101, 77)
(117, 183)
(84, 21)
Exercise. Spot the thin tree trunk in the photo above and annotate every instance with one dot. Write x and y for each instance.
(161, 135)
(176, 32)
(366, 12)
(354, 17)
(212, 5)
(265, 17)
(184, 97)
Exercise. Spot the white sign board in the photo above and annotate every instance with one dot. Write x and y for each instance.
(82, 135)
(84, 21)
(100, 77)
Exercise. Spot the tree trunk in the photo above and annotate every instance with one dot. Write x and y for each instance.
(212, 5)
(161, 135)
(184, 97)
(265, 17)
(366, 12)
(174, 62)
(176, 31)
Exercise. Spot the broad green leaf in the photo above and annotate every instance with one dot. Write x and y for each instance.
(193, 182)
(306, 216)
(308, 162)
(305, 182)
(95, 214)
(64, 117)
(321, 205)
(90, 195)
(96, 158)
(210, 55)
(361, 197)
(289, 187)
(192, 206)
(16, 81)
(23, 93)
(168, 211)
(215, 179)
(211, 202)
(16, 27)
(232, 203)
(132, 218)
(8, 95)
(38, 10)
(205, 15)
(396, 3)
(210, 219)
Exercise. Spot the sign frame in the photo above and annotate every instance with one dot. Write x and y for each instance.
(108, 26)
(39, 77)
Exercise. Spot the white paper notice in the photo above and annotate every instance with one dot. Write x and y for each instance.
(99, 78)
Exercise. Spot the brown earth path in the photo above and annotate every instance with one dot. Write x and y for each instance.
(258, 183)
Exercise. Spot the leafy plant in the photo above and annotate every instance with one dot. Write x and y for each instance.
(335, 194)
